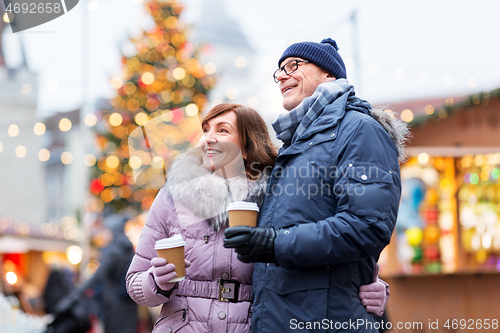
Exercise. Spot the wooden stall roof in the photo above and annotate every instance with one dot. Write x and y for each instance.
(456, 126)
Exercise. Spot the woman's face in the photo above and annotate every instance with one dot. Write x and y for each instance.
(221, 146)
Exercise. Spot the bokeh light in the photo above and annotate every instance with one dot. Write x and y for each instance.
(112, 161)
(474, 178)
(191, 110)
(65, 124)
(92, 267)
(210, 68)
(429, 109)
(11, 277)
(90, 120)
(179, 73)
(115, 119)
(116, 82)
(148, 78)
(407, 115)
(44, 155)
(141, 118)
(8, 17)
(423, 158)
(89, 160)
(66, 157)
(135, 162)
(20, 151)
(13, 130)
(39, 128)
(157, 162)
(74, 254)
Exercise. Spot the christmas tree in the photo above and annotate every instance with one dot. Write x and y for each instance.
(154, 115)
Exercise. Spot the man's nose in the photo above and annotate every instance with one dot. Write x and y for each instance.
(282, 76)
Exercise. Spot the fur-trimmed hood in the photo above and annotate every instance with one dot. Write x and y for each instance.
(205, 193)
(396, 128)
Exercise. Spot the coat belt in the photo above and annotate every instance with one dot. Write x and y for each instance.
(210, 289)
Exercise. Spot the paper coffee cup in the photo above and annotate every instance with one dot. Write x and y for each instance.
(243, 213)
(172, 249)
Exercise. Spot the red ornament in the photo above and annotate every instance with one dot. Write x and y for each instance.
(96, 186)
(431, 252)
(141, 84)
(176, 119)
(125, 179)
(432, 215)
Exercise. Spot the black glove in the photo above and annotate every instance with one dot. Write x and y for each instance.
(251, 244)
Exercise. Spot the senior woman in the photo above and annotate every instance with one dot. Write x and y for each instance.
(231, 163)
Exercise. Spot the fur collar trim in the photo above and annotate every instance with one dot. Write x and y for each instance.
(205, 193)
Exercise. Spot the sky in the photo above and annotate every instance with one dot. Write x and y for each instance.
(406, 49)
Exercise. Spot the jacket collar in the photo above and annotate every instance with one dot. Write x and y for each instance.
(329, 118)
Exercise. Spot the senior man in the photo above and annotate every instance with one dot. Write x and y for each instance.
(332, 200)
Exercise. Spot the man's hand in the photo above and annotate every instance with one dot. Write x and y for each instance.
(373, 297)
(251, 244)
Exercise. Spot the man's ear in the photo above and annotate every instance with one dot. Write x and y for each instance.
(330, 77)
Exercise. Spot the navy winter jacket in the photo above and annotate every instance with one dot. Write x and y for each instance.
(333, 197)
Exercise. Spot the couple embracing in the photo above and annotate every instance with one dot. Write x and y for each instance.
(311, 261)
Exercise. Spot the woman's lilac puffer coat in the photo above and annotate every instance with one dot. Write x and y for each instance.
(194, 203)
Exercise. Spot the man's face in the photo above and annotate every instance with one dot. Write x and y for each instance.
(301, 83)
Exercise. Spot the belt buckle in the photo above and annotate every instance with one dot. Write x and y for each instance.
(228, 290)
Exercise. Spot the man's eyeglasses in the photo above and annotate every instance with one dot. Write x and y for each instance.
(289, 68)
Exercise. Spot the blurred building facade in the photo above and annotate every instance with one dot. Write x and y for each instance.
(62, 168)
(228, 52)
(22, 173)
(29, 241)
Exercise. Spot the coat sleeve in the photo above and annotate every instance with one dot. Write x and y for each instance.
(140, 283)
(367, 189)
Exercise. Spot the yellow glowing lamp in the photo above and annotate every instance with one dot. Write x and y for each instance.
(481, 256)
(74, 254)
(414, 235)
(11, 277)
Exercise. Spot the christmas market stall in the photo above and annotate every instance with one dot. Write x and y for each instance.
(443, 262)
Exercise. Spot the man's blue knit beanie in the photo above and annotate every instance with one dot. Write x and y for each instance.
(322, 54)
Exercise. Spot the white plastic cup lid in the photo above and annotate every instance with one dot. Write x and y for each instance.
(168, 243)
(243, 205)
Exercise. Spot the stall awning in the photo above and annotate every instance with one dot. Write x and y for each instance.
(11, 244)
(451, 151)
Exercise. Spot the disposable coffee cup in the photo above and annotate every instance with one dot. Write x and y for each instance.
(172, 249)
(243, 213)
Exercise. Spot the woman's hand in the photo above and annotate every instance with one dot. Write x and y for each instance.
(163, 272)
(374, 297)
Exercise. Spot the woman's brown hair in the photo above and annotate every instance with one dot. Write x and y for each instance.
(254, 138)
